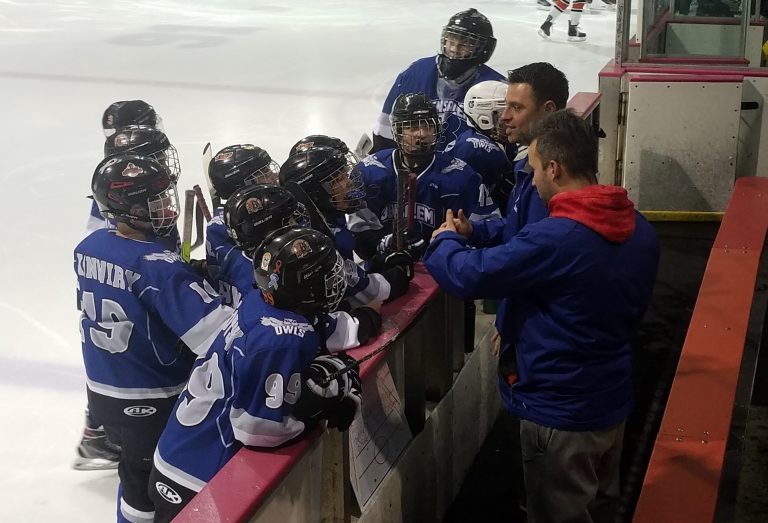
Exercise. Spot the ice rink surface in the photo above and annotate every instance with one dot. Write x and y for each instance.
(236, 71)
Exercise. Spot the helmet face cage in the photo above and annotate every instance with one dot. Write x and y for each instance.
(267, 175)
(169, 157)
(345, 188)
(460, 44)
(418, 136)
(164, 210)
(335, 285)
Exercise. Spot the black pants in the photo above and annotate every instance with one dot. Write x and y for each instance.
(136, 426)
(168, 496)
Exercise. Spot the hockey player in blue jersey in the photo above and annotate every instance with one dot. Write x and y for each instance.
(484, 144)
(233, 167)
(443, 182)
(260, 384)
(95, 451)
(466, 44)
(144, 315)
(254, 212)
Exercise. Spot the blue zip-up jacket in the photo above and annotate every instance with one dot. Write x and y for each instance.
(577, 285)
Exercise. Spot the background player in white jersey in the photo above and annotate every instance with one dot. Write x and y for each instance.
(466, 44)
(558, 8)
(143, 313)
(260, 383)
(443, 182)
(233, 167)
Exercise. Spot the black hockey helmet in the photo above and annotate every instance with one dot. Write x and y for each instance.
(237, 166)
(136, 190)
(255, 211)
(144, 140)
(466, 42)
(322, 140)
(415, 125)
(328, 177)
(129, 112)
(298, 269)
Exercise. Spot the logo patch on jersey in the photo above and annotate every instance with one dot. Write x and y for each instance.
(166, 256)
(253, 205)
(455, 165)
(301, 248)
(168, 494)
(132, 171)
(480, 143)
(226, 155)
(287, 326)
(121, 140)
(265, 261)
(371, 160)
(139, 411)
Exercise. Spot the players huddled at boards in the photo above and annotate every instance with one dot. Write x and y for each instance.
(187, 361)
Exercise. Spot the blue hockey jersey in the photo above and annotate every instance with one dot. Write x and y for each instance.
(525, 207)
(422, 77)
(137, 301)
(242, 392)
(446, 183)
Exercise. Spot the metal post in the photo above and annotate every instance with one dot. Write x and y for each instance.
(745, 12)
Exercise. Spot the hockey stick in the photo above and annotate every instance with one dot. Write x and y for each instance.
(207, 157)
(201, 203)
(186, 233)
(325, 381)
(364, 146)
(405, 208)
(199, 227)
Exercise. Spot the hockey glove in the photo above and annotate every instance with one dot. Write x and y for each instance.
(369, 323)
(339, 400)
(397, 269)
(200, 267)
(414, 245)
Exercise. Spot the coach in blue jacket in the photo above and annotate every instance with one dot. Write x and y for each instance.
(577, 285)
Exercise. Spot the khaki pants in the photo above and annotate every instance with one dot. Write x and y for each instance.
(571, 476)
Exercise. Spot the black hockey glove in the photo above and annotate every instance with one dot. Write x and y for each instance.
(414, 245)
(200, 267)
(369, 321)
(397, 269)
(339, 400)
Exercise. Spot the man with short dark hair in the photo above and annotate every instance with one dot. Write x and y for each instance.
(577, 284)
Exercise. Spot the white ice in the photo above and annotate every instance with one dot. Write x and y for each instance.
(228, 72)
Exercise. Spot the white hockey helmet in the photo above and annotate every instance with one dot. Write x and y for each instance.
(483, 105)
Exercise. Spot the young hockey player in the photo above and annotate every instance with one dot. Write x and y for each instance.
(144, 315)
(443, 182)
(483, 145)
(233, 167)
(466, 44)
(260, 384)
